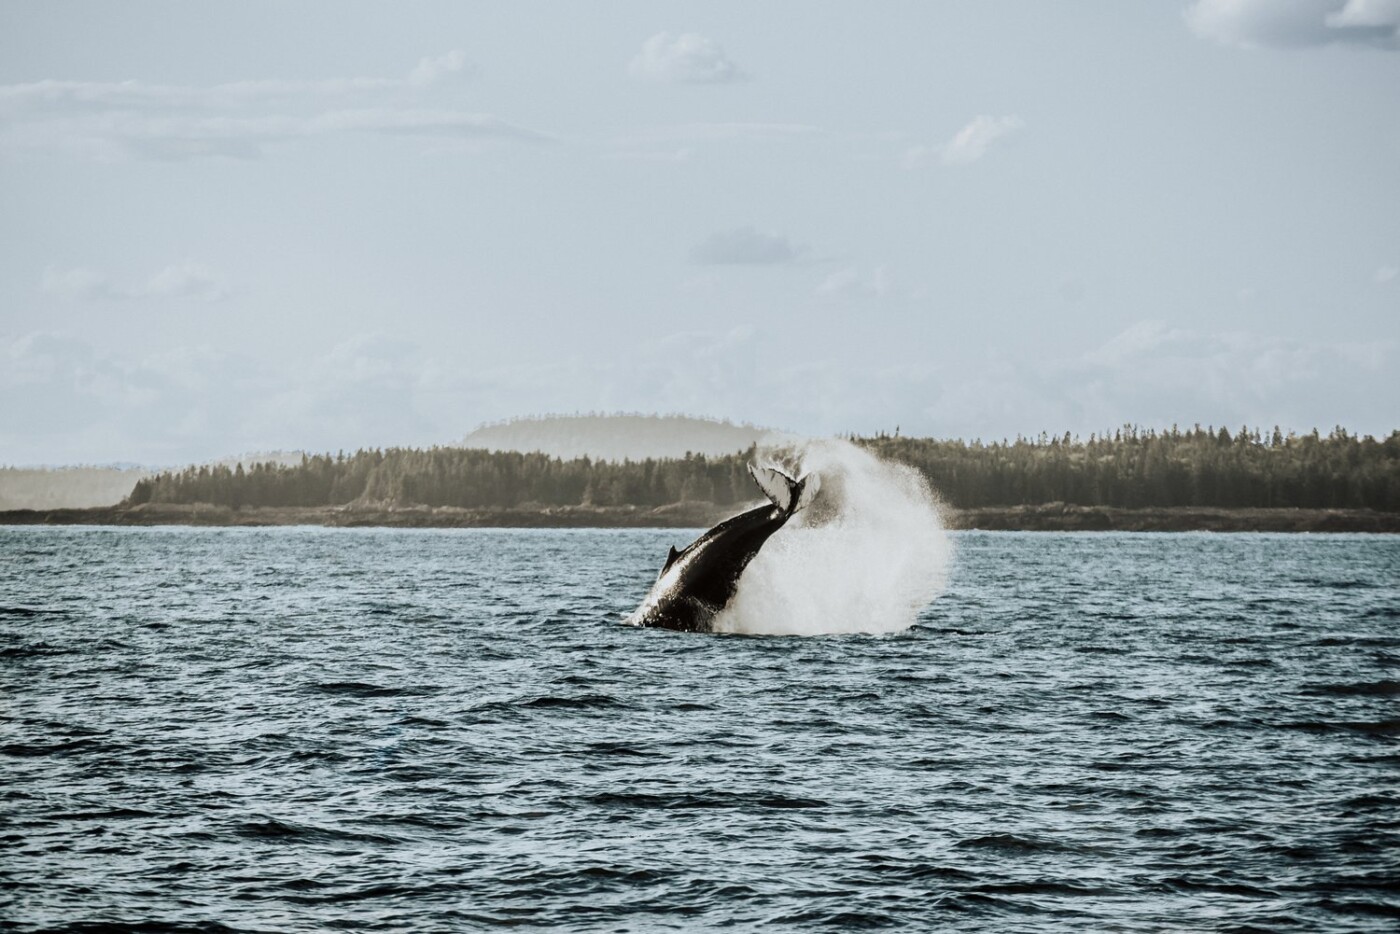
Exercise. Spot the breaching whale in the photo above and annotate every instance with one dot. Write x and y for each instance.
(696, 584)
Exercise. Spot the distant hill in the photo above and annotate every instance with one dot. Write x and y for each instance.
(616, 437)
(66, 487)
(88, 487)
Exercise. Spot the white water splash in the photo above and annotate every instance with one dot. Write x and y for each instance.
(866, 556)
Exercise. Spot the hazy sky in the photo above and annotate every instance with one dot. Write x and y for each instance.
(323, 225)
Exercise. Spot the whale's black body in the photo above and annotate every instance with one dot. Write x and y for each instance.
(696, 584)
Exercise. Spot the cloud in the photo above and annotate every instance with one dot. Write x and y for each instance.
(49, 95)
(185, 281)
(967, 146)
(745, 246)
(1385, 274)
(240, 120)
(852, 282)
(431, 70)
(79, 282)
(1297, 23)
(188, 281)
(177, 138)
(972, 141)
(685, 59)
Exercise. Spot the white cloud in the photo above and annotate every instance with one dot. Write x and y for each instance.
(431, 70)
(79, 282)
(115, 120)
(1386, 274)
(685, 59)
(185, 281)
(1384, 14)
(853, 282)
(967, 146)
(840, 282)
(1297, 23)
(745, 246)
(188, 281)
(972, 141)
(113, 136)
(143, 95)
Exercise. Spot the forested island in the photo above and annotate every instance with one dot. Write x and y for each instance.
(1135, 479)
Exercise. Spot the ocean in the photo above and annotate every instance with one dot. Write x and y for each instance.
(304, 729)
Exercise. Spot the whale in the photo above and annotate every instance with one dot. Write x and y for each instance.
(697, 583)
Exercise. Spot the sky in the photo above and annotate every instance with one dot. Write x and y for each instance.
(262, 226)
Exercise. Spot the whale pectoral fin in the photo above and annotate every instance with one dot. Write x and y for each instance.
(670, 559)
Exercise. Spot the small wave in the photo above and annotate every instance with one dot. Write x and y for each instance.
(107, 814)
(1335, 584)
(1353, 906)
(1045, 887)
(1375, 802)
(701, 799)
(576, 702)
(377, 890)
(1369, 728)
(1384, 688)
(145, 927)
(22, 612)
(619, 749)
(888, 867)
(1016, 843)
(609, 874)
(1382, 642)
(278, 830)
(848, 920)
(35, 650)
(361, 689)
(34, 750)
(1215, 885)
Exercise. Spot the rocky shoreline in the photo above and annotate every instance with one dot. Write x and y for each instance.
(1051, 517)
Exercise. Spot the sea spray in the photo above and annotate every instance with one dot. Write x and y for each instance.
(867, 556)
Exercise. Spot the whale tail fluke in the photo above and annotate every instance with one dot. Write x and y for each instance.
(787, 494)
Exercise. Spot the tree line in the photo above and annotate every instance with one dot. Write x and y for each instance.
(1132, 468)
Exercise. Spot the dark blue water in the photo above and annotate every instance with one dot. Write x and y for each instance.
(303, 729)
